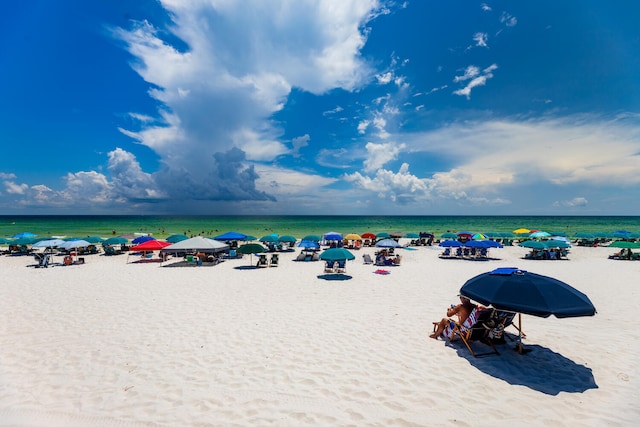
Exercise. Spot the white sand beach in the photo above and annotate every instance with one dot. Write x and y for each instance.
(110, 343)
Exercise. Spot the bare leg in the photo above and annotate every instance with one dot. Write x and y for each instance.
(439, 329)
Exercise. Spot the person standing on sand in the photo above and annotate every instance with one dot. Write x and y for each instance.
(463, 310)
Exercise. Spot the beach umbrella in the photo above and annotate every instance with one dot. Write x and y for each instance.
(74, 244)
(142, 239)
(624, 244)
(522, 292)
(388, 243)
(287, 239)
(251, 248)
(333, 235)
(175, 238)
(479, 236)
(336, 254)
(396, 235)
(269, 238)
(539, 235)
(308, 244)
(23, 241)
(312, 238)
(557, 243)
(94, 239)
(231, 236)
(583, 235)
(467, 234)
(197, 244)
(522, 231)
(23, 235)
(534, 244)
(368, 236)
(48, 243)
(115, 241)
(412, 236)
(450, 244)
(250, 238)
(150, 245)
(353, 236)
(449, 235)
(4, 241)
(383, 235)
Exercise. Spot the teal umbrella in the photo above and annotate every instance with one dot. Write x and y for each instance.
(336, 254)
(312, 238)
(269, 238)
(251, 248)
(175, 238)
(287, 239)
(4, 241)
(624, 244)
(383, 235)
(115, 241)
(23, 241)
(449, 235)
(534, 244)
(412, 236)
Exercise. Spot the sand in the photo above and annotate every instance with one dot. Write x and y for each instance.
(111, 343)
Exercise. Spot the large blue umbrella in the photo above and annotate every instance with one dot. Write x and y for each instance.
(308, 244)
(511, 289)
(231, 236)
(450, 244)
(142, 239)
(332, 235)
(388, 243)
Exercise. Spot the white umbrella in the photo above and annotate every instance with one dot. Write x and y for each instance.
(74, 244)
(49, 243)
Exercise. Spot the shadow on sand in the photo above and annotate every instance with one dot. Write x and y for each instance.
(334, 276)
(539, 369)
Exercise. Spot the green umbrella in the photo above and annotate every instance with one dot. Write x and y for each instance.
(625, 244)
(4, 241)
(115, 241)
(312, 238)
(287, 239)
(251, 248)
(270, 238)
(534, 244)
(383, 235)
(412, 236)
(336, 254)
(175, 238)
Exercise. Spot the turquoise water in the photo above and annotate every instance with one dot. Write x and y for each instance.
(299, 226)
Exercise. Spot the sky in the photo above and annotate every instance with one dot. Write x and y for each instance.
(336, 107)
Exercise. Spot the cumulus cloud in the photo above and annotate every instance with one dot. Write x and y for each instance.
(401, 187)
(218, 93)
(481, 39)
(380, 154)
(475, 78)
(575, 202)
(508, 19)
(300, 142)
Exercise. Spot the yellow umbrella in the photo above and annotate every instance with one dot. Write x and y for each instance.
(522, 231)
(352, 236)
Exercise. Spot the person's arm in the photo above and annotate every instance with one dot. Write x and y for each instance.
(453, 310)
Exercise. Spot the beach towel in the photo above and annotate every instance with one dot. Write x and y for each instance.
(380, 271)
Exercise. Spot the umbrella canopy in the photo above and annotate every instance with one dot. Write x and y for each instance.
(142, 239)
(353, 236)
(557, 243)
(23, 241)
(4, 241)
(24, 234)
(479, 236)
(312, 238)
(522, 231)
(150, 245)
(197, 244)
(74, 244)
(336, 254)
(48, 243)
(388, 243)
(583, 235)
(287, 239)
(333, 235)
(539, 235)
(308, 244)
(449, 235)
(251, 248)
(383, 235)
(368, 236)
(94, 239)
(116, 241)
(519, 291)
(622, 244)
(412, 236)
(450, 244)
(175, 238)
(231, 236)
(269, 238)
(534, 244)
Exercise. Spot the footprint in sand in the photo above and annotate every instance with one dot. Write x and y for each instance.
(623, 376)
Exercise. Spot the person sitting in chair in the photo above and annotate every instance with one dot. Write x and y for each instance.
(463, 310)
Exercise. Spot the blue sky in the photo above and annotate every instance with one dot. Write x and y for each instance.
(320, 107)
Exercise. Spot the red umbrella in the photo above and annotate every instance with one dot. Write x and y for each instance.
(368, 236)
(150, 245)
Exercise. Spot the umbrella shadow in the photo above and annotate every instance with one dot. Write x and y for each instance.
(335, 276)
(245, 267)
(539, 369)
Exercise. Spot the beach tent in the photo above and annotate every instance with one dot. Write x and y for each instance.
(231, 236)
(150, 245)
(196, 244)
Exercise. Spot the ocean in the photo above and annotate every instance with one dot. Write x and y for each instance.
(299, 226)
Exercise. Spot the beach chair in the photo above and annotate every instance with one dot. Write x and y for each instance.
(341, 267)
(262, 261)
(301, 256)
(315, 256)
(43, 260)
(472, 329)
(446, 253)
(367, 259)
(274, 260)
(329, 267)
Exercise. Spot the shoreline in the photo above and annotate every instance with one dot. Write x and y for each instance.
(139, 344)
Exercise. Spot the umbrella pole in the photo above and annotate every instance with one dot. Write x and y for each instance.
(520, 333)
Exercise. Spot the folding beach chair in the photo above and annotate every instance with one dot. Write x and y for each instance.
(274, 260)
(367, 259)
(472, 329)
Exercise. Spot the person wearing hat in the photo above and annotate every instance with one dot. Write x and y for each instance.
(463, 310)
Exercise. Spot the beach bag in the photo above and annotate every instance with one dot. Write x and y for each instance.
(494, 327)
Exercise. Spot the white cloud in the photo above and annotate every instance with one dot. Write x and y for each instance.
(401, 187)
(485, 7)
(362, 126)
(573, 203)
(222, 89)
(481, 39)
(477, 79)
(13, 188)
(298, 143)
(508, 20)
(380, 154)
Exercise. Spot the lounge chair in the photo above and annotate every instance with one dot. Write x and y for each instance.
(301, 256)
(341, 267)
(274, 260)
(367, 259)
(315, 257)
(262, 261)
(446, 253)
(472, 329)
(43, 260)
